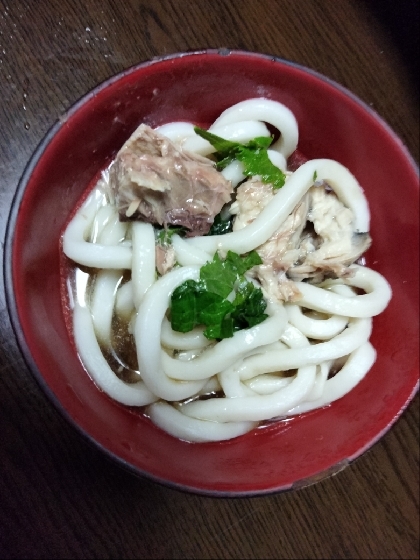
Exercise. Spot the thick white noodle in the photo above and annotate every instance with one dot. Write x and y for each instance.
(193, 340)
(320, 380)
(191, 429)
(76, 247)
(341, 289)
(188, 255)
(318, 329)
(143, 270)
(114, 231)
(366, 305)
(356, 334)
(258, 407)
(277, 159)
(231, 385)
(124, 301)
(183, 133)
(147, 334)
(211, 386)
(229, 350)
(78, 289)
(234, 172)
(241, 132)
(293, 338)
(267, 383)
(135, 394)
(259, 350)
(267, 347)
(264, 383)
(101, 219)
(176, 131)
(102, 303)
(187, 355)
(354, 370)
(265, 110)
(278, 209)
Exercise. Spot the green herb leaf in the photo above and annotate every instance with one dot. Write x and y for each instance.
(242, 264)
(258, 163)
(222, 330)
(164, 236)
(249, 306)
(253, 155)
(204, 302)
(184, 309)
(219, 276)
(223, 146)
(221, 226)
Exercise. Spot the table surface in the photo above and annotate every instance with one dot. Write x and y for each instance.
(59, 497)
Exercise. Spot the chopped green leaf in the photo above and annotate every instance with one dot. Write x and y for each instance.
(253, 155)
(164, 236)
(258, 163)
(219, 276)
(224, 329)
(260, 142)
(221, 226)
(223, 147)
(214, 312)
(204, 302)
(315, 176)
(242, 264)
(184, 312)
(249, 306)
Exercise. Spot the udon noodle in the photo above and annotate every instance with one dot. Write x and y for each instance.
(311, 349)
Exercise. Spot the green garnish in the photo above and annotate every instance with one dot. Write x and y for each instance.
(315, 176)
(221, 225)
(164, 236)
(253, 155)
(204, 302)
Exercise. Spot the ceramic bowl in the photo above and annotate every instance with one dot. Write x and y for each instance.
(197, 87)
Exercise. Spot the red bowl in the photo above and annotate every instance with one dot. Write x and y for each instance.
(198, 86)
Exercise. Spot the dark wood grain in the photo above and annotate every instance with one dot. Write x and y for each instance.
(59, 497)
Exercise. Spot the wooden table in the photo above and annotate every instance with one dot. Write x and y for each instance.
(59, 497)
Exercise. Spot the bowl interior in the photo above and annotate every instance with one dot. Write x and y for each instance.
(198, 87)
